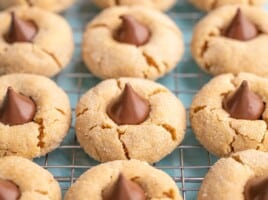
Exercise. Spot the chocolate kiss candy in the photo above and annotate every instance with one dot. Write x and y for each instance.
(244, 104)
(256, 189)
(241, 28)
(132, 31)
(17, 109)
(129, 108)
(125, 189)
(21, 30)
(8, 190)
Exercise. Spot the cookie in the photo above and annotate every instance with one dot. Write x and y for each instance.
(131, 42)
(24, 180)
(229, 114)
(243, 176)
(35, 115)
(208, 5)
(158, 4)
(129, 118)
(124, 180)
(34, 41)
(232, 39)
(51, 5)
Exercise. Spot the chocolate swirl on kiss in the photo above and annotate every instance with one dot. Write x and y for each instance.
(132, 31)
(241, 28)
(17, 109)
(21, 30)
(244, 104)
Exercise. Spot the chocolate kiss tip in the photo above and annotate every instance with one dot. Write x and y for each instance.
(132, 31)
(16, 109)
(8, 190)
(125, 189)
(129, 108)
(21, 30)
(241, 28)
(244, 104)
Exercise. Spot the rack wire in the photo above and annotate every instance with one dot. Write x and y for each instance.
(188, 163)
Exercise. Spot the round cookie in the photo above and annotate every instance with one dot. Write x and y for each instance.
(97, 181)
(51, 5)
(49, 123)
(222, 130)
(23, 178)
(208, 5)
(106, 56)
(217, 53)
(243, 176)
(152, 123)
(45, 51)
(158, 4)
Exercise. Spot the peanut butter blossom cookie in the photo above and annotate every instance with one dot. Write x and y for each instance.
(124, 180)
(158, 4)
(34, 41)
(129, 118)
(34, 115)
(232, 39)
(21, 179)
(243, 176)
(229, 114)
(131, 42)
(208, 5)
(51, 5)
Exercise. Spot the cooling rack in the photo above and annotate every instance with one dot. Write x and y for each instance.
(189, 162)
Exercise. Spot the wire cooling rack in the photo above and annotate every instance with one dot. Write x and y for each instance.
(188, 163)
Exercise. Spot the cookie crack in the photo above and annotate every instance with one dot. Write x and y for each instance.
(93, 26)
(198, 109)
(120, 134)
(29, 3)
(51, 55)
(157, 91)
(42, 192)
(117, 2)
(170, 129)
(82, 112)
(42, 134)
(60, 111)
(118, 84)
(151, 62)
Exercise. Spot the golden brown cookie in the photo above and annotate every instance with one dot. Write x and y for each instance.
(208, 5)
(102, 179)
(114, 121)
(158, 4)
(226, 129)
(43, 132)
(49, 49)
(51, 5)
(217, 53)
(243, 176)
(22, 178)
(144, 43)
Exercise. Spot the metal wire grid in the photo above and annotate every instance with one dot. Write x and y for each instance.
(188, 163)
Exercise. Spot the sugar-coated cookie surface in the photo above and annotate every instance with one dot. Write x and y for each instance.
(32, 181)
(208, 5)
(158, 4)
(228, 178)
(49, 51)
(108, 58)
(50, 123)
(51, 5)
(150, 140)
(156, 184)
(213, 126)
(217, 54)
